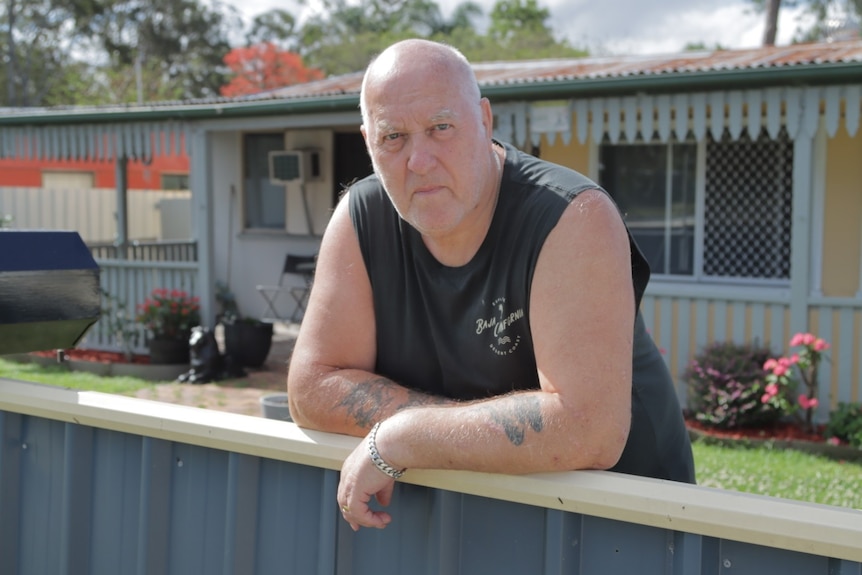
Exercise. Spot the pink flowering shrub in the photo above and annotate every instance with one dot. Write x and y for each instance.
(845, 425)
(726, 384)
(782, 373)
(169, 314)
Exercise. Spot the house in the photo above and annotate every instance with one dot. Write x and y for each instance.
(162, 173)
(738, 172)
(41, 190)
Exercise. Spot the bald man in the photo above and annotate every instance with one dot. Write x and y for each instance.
(475, 307)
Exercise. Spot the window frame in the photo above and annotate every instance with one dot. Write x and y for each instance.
(697, 276)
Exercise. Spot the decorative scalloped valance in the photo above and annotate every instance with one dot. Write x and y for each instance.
(798, 110)
(138, 140)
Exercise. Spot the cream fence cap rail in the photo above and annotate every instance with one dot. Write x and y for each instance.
(809, 528)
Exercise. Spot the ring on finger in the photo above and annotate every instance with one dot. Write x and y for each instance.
(345, 509)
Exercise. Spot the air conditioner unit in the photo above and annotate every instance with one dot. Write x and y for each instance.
(294, 166)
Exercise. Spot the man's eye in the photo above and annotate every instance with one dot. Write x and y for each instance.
(391, 137)
(442, 127)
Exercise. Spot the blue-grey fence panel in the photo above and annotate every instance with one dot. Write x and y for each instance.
(78, 499)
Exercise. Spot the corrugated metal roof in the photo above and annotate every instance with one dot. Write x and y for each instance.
(606, 67)
(798, 64)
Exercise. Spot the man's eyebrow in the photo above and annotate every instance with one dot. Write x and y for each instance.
(444, 114)
(384, 127)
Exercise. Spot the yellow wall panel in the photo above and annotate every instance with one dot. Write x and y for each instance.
(572, 155)
(842, 226)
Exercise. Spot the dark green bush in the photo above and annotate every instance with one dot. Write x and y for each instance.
(726, 385)
(845, 423)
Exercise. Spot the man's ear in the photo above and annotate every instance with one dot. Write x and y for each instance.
(487, 117)
(364, 133)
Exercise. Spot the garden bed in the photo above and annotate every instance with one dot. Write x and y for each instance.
(106, 364)
(781, 435)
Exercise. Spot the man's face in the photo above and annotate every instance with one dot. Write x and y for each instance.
(429, 143)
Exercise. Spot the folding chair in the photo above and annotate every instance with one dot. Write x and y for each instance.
(295, 266)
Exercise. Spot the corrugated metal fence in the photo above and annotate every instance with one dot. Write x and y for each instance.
(126, 283)
(103, 484)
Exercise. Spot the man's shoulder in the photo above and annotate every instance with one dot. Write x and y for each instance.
(367, 193)
(370, 184)
(535, 173)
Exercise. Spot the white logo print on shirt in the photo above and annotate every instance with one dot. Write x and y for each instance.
(502, 344)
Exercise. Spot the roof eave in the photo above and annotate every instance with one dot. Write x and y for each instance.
(693, 81)
(688, 81)
(185, 112)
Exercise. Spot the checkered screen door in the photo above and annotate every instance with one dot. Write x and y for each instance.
(748, 207)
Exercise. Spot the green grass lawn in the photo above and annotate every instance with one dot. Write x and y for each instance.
(776, 472)
(782, 473)
(62, 377)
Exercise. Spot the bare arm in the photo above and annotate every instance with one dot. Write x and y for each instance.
(331, 384)
(582, 317)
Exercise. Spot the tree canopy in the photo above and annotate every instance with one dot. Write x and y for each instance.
(264, 67)
(71, 52)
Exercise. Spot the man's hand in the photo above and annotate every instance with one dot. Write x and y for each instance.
(360, 482)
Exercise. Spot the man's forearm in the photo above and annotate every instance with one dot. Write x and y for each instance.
(523, 432)
(352, 401)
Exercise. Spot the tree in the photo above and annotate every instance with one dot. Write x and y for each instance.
(37, 51)
(264, 67)
(275, 26)
(344, 37)
(521, 29)
(462, 19)
(771, 28)
(828, 16)
(62, 52)
(833, 19)
(184, 40)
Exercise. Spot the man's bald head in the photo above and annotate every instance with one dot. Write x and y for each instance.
(437, 63)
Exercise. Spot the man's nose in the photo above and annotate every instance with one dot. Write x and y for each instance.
(422, 154)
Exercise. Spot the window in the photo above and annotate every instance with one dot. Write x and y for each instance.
(744, 229)
(654, 186)
(263, 202)
(175, 181)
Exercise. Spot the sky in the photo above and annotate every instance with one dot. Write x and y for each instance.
(623, 27)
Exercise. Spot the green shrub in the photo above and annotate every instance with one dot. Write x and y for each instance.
(845, 423)
(726, 384)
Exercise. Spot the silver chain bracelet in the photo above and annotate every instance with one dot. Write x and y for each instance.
(377, 460)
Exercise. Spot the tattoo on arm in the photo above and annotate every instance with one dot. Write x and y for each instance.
(524, 411)
(373, 400)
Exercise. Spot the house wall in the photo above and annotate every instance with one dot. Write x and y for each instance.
(318, 194)
(226, 204)
(245, 259)
(142, 176)
(572, 155)
(842, 225)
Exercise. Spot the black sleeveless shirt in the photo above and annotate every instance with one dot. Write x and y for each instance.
(464, 332)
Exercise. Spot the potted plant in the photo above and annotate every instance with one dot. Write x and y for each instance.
(169, 316)
(247, 340)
